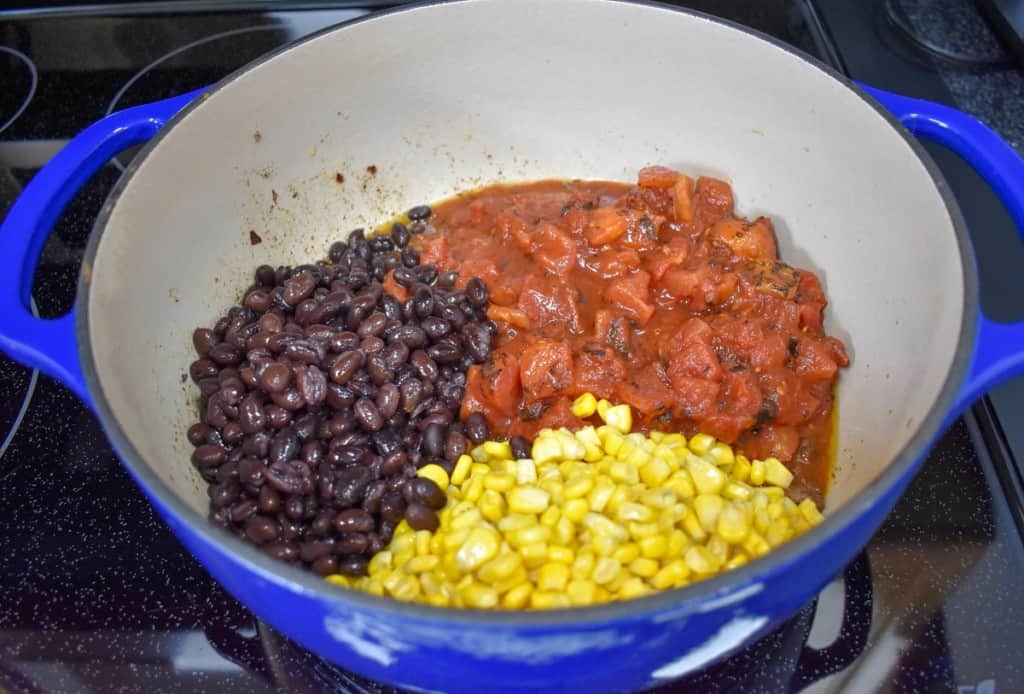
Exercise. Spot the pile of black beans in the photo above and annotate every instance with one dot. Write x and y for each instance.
(322, 394)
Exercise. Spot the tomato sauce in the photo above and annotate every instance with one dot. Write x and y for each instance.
(656, 295)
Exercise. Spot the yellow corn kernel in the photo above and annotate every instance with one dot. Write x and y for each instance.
(526, 471)
(561, 554)
(612, 440)
(599, 495)
(654, 472)
(429, 584)
(527, 500)
(339, 580)
(453, 539)
(623, 472)
(575, 510)
(405, 588)
(564, 532)
(708, 507)
(500, 481)
(605, 570)
(436, 473)
(473, 489)
(469, 519)
(506, 584)
(578, 486)
(735, 562)
(776, 473)
(619, 417)
(718, 547)
(740, 469)
(514, 521)
(733, 524)
(681, 484)
(497, 450)
(633, 588)
(479, 596)
(639, 531)
(654, 547)
(755, 545)
(544, 600)
(461, 470)
(545, 449)
(691, 524)
(615, 584)
(517, 597)
(677, 542)
(584, 406)
(722, 454)
(552, 576)
(736, 491)
(551, 516)
(810, 512)
(701, 561)
(670, 575)
(643, 567)
(601, 525)
(481, 546)
(591, 444)
(492, 505)
(499, 568)
(626, 553)
(583, 564)
(701, 443)
(707, 478)
(632, 511)
(534, 555)
(774, 493)
(604, 545)
(381, 561)
(602, 408)
(422, 543)
(529, 536)
(756, 477)
(418, 565)
(581, 592)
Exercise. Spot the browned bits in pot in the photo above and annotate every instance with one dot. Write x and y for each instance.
(321, 395)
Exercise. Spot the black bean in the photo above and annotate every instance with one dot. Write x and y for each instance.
(392, 506)
(251, 471)
(388, 400)
(424, 490)
(520, 447)
(425, 367)
(423, 301)
(371, 345)
(251, 418)
(256, 445)
(264, 275)
(419, 213)
(204, 340)
(353, 543)
(298, 287)
(433, 441)
(269, 500)
(305, 427)
(285, 551)
(372, 325)
(291, 530)
(346, 365)
(350, 485)
(455, 445)
(294, 507)
(261, 529)
(197, 433)
(368, 415)
(410, 257)
(377, 368)
(444, 353)
(446, 280)
(354, 520)
(277, 416)
(209, 454)
(477, 429)
(202, 368)
(419, 516)
(312, 385)
(395, 354)
(283, 477)
(242, 510)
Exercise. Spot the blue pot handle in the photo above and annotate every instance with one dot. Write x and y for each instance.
(999, 347)
(49, 344)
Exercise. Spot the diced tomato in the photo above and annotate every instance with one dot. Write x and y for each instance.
(646, 390)
(512, 228)
(597, 369)
(434, 251)
(750, 240)
(631, 293)
(606, 225)
(695, 397)
(553, 249)
(658, 261)
(772, 442)
(657, 177)
(682, 198)
(545, 369)
(838, 351)
(613, 263)
(394, 288)
(814, 359)
(474, 400)
(500, 383)
(714, 200)
(696, 359)
(507, 314)
(549, 301)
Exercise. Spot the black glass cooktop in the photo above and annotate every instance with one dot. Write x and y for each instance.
(97, 595)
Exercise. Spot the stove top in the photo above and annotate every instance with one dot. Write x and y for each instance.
(97, 595)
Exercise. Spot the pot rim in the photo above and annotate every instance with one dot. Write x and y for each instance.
(681, 601)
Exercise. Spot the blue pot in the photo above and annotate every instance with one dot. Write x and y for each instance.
(617, 647)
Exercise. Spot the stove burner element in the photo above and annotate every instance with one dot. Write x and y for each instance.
(204, 60)
(15, 109)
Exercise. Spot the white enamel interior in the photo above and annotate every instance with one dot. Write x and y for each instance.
(452, 96)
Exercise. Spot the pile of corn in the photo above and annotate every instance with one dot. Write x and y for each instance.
(596, 515)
